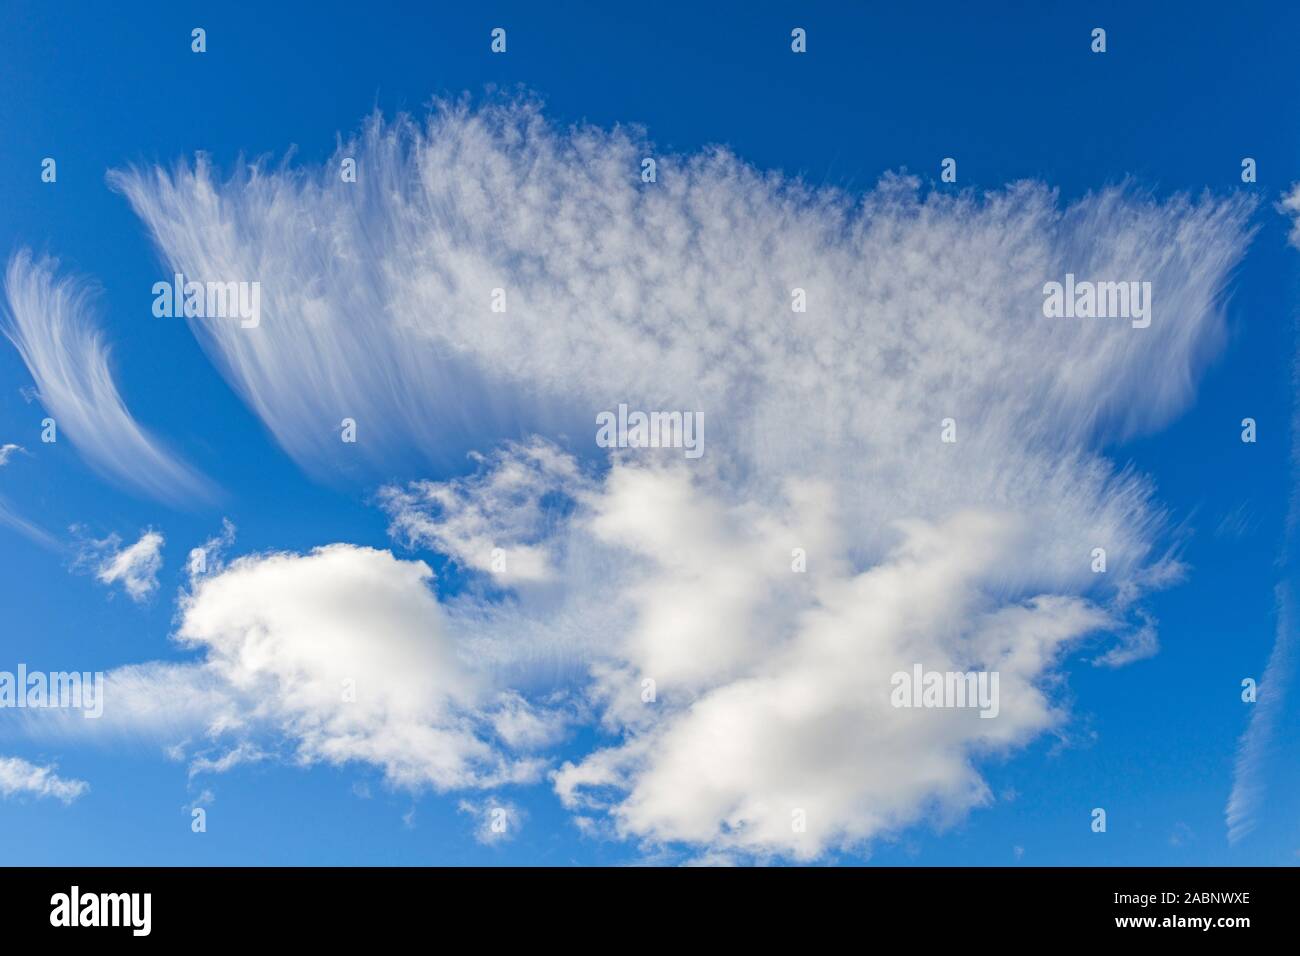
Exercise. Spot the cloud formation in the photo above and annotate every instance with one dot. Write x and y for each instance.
(828, 537)
(21, 777)
(11, 518)
(51, 322)
(134, 567)
(1258, 743)
(493, 520)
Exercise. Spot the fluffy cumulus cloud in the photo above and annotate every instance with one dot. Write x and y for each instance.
(23, 778)
(52, 323)
(1258, 746)
(378, 295)
(741, 694)
(731, 621)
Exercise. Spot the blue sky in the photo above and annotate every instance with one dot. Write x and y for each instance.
(1171, 108)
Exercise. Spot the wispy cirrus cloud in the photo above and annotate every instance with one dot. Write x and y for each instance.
(339, 656)
(1258, 742)
(1251, 767)
(51, 322)
(244, 753)
(11, 518)
(378, 294)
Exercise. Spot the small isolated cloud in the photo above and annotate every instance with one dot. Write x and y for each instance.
(11, 518)
(244, 753)
(522, 726)
(19, 777)
(1258, 746)
(210, 556)
(495, 821)
(51, 322)
(204, 799)
(1239, 522)
(134, 567)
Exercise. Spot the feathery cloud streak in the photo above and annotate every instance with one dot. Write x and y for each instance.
(50, 320)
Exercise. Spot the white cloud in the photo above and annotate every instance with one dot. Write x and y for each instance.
(1290, 205)
(135, 567)
(210, 556)
(17, 522)
(1139, 644)
(244, 753)
(1258, 743)
(492, 521)
(11, 518)
(204, 799)
(771, 686)
(20, 777)
(51, 322)
(345, 652)
(164, 702)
